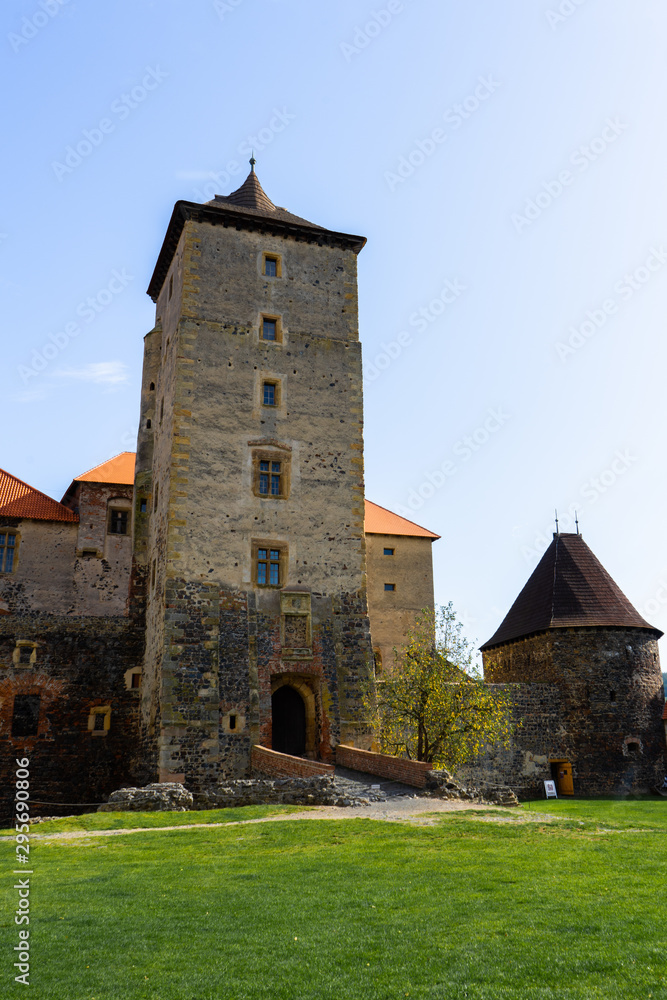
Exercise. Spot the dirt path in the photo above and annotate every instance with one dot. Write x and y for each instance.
(403, 810)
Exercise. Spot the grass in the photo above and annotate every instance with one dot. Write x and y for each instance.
(613, 813)
(136, 820)
(352, 910)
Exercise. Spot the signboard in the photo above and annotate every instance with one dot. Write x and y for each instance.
(550, 789)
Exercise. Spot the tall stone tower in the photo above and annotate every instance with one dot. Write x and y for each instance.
(584, 670)
(249, 491)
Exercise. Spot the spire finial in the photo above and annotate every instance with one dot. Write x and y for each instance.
(252, 162)
(557, 530)
(576, 521)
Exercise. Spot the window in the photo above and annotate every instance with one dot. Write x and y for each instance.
(25, 720)
(270, 396)
(118, 522)
(152, 387)
(388, 552)
(99, 720)
(161, 410)
(612, 696)
(8, 549)
(232, 722)
(153, 575)
(390, 586)
(269, 329)
(171, 285)
(271, 474)
(135, 680)
(143, 506)
(270, 479)
(268, 567)
(157, 486)
(25, 655)
(271, 265)
(148, 424)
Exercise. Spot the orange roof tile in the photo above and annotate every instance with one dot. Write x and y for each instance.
(17, 499)
(380, 521)
(119, 469)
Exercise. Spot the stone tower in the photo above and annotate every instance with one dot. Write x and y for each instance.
(249, 491)
(587, 669)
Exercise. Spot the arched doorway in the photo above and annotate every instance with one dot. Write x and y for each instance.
(288, 712)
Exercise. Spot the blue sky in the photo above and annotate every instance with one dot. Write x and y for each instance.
(507, 164)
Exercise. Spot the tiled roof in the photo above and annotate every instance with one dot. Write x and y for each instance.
(380, 521)
(119, 469)
(569, 587)
(17, 499)
(249, 207)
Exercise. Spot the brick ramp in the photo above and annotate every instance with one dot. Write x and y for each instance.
(283, 765)
(409, 772)
(358, 785)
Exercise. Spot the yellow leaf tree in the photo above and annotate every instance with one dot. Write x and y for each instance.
(434, 705)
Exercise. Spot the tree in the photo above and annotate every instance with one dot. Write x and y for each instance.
(434, 706)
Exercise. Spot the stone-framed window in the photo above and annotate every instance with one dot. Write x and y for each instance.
(270, 329)
(9, 547)
(25, 716)
(272, 265)
(233, 722)
(269, 563)
(390, 587)
(99, 720)
(119, 521)
(25, 653)
(271, 392)
(133, 679)
(271, 473)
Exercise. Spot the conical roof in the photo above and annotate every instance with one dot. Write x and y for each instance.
(568, 588)
(251, 194)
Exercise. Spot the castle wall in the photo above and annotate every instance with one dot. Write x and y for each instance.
(43, 576)
(610, 694)
(393, 613)
(78, 666)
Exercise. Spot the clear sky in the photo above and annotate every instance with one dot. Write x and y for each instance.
(507, 163)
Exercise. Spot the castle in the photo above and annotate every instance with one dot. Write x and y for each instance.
(230, 586)
(173, 611)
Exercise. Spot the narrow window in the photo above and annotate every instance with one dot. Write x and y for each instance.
(153, 575)
(98, 724)
(136, 681)
(268, 567)
(171, 285)
(388, 552)
(7, 550)
(612, 696)
(232, 722)
(25, 719)
(270, 266)
(143, 506)
(148, 424)
(118, 522)
(152, 387)
(155, 497)
(269, 329)
(161, 410)
(390, 586)
(269, 394)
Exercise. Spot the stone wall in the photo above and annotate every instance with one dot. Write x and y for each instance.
(611, 697)
(78, 666)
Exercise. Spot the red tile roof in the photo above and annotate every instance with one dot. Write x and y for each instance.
(17, 499)
(119, 469)
(569, 587)
(380, 521)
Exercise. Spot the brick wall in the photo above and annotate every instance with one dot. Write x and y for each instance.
(411, 772)
(272, 763)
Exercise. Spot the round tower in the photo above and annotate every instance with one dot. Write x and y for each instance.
(573, 629)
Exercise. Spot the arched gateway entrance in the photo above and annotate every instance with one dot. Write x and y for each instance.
(289, 721)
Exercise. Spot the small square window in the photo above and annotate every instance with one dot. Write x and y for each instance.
(118, 522)
(390, 586)
(270, 394)
(388, 552)
(269, 329)
(143, 506)
(8, 549)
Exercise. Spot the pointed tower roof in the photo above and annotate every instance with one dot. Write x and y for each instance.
(19, 500)
(249, 207)
(568, 588)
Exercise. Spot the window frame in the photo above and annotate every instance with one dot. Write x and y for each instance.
(260, 455)
(270, 545)
(275, 384)
(390, 588)
(388, 552)
(95, 710)
(270, 318)
(276, 258)
(6, 532)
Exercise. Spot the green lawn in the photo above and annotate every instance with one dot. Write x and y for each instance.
(353, 910)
